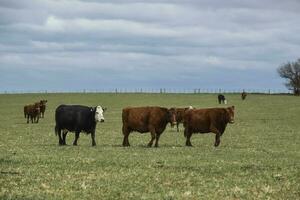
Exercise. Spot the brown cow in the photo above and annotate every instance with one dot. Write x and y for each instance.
(32, 111)
(179, 115)
(146, 119)
(42, 105)
(243, 95)
(208, 120)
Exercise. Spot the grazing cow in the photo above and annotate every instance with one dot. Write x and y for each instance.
(146, 119)
(32, 112)
(208, 120)
(77, 118)
(221, 99)
(179, 116)
(243, 95)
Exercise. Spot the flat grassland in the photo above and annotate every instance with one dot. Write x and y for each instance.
(258, 158)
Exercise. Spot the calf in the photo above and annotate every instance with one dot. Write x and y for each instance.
(32, 112)
(77, 118)
(208, 120)
(146, 119)
(43, 107)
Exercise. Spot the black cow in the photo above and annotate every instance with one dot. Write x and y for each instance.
(221, 99)
(77, 118)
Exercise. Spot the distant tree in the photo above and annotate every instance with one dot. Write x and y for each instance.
(291, 72)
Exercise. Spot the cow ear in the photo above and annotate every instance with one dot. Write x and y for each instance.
(232, 107)
(104, 109)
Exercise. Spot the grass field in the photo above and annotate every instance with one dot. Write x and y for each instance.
(258, 158)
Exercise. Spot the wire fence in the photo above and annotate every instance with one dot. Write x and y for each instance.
(155, 91)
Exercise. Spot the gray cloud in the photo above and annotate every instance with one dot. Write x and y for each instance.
(154, 44)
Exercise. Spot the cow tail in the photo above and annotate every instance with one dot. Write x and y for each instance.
(56, 130)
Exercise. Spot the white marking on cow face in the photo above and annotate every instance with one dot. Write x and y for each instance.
(99, 114)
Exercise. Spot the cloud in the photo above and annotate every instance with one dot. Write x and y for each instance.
(148, 42)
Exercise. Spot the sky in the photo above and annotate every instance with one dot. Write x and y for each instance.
(70, 45)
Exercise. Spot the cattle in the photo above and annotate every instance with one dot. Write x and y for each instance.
(208, 120)
(77, 118)
(43, 107)
(243, 95)
(146, 119)
(179, 115)
(221, 99)
(32, 112)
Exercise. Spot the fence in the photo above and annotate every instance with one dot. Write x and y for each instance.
(155, 90)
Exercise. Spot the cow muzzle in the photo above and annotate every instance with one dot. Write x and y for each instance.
(102, 120)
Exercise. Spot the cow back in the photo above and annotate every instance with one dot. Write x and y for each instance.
(75, 118)
(142, 118)
(203, 120)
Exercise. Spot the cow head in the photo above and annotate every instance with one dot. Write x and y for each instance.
(99, 114)
(230, 111)
(188, 108)
(172, 116)
(43, 102)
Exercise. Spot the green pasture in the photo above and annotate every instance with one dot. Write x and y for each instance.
(258, 158)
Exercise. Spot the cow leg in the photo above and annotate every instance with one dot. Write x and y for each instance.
(60, 140)
(152, 131)
(188, 136)
(156, 140)
(217, 142)
(126, 133)
(27, 119)
(218, 135)
(76, 138)
(93, 138)
(64, 138)
(31, 118)
(177, 125)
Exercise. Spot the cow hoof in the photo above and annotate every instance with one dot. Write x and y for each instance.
(217, 144)
(125, 144)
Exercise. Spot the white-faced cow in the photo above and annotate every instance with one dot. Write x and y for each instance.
(222, 99)
(77, 118)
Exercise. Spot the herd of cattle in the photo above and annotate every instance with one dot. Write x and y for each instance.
(35, 111)
(77, 118)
